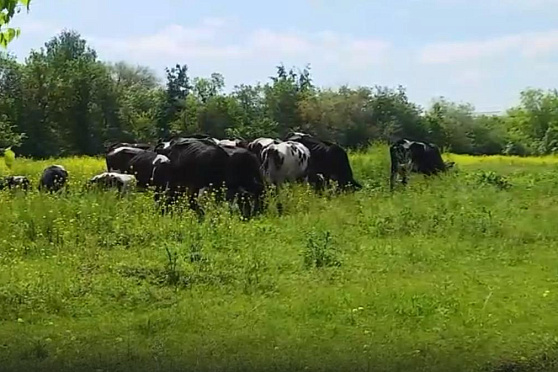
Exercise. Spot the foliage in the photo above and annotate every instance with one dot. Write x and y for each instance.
(64, 101)
(8, 8)
(446, 275)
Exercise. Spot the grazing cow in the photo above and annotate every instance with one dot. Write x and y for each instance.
(118, 159)
(285, 162)
(122, 182)
(53, 178)
(149, 169)
(327, 160)
(18, 182)
(198, 164)
(418, 157)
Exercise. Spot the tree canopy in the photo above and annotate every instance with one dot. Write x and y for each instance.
(63, 100)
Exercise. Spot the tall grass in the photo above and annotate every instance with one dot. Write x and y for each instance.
(456, 273)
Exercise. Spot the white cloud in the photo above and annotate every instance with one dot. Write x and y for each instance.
(530, 44)
(208, 40)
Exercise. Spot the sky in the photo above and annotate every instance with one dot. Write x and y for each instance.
(483, 52)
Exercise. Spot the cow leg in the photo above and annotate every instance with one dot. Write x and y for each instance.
(279, 203)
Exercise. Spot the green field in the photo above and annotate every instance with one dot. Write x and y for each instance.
(458, 273)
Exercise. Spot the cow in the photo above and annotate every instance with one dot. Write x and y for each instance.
(285, 162)
(257, 145)
(15, 182)
(118, 159)
(106, 180)
(197, 164)
(143, 146)
(54, 178)
(149, 169)
(413, 156)
(328, 162)
(244, 179)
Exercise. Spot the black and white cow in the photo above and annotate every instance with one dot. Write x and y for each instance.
(54, 178)
(413, 156)
(327, 160)
(198, 164)
(150, 169)
(143, 146)
(257, 145)
(285, 162)
(118, 159)
(15, 182)
(106, 180)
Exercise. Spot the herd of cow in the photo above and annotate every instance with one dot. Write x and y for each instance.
(236, 169)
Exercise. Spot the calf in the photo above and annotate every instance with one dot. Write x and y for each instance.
(327, 160)
(106, 180)
(413, 156)
(15, 182)
(118, 159)
(53, 178)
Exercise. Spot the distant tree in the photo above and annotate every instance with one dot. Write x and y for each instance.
(177, 89)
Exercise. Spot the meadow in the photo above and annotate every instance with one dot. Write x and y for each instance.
(456, 273)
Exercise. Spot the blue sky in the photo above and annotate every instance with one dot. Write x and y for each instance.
(479, 51)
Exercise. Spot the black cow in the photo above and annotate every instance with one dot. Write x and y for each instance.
(244, 178)
(53, 178)
(150, 169)
(118, 159)
(414, 156)
(328, 160)
(15, 182)
(198, 164)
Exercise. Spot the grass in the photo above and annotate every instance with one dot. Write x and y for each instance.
(456, 273)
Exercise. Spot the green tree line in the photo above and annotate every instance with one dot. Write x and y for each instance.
(64, 101)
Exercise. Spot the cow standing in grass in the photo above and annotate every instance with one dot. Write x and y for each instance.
(118, 159)
(412, 156)
(197, 164)
(107, 180)
(15, 182)
(327, 160)
(150, 169)
(285, 162)
(53, 179)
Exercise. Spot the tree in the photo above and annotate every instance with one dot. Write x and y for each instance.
(8, 8)
(177, 89)
(10, 101)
